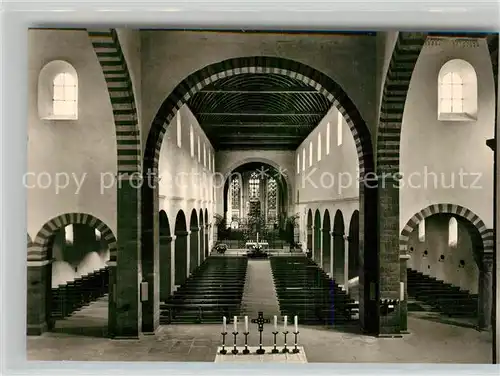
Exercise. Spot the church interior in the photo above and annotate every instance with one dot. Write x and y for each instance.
(334, 186)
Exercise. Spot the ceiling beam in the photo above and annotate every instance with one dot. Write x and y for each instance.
(256, 125)
(296, 90)
(260, 114)
(259, 136)
(257, 147)
(253, 142)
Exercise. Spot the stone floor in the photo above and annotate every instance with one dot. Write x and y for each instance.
(82, 337)
(259, 293)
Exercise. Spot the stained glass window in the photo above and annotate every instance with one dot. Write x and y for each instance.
(254, 183)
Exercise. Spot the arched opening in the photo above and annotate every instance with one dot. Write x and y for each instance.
(201, 248)
(194, 243)
(181, 248)
(255, 198)
(166, 283)
(317, 238)
(326, 242)
(461, 271)
(338, 248)
(69, 293)
(309, 240)
(263, 65)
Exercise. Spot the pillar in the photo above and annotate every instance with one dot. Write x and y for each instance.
(165, 267)
(172, 264)
(125, 308)
(403, 298)
(38, 297)
(338, 264)
(485, 300)
(389, 274)
(332, 255)
(201, 249)
(322, 244)
(194, 249)
(309, 239)
(346, 263)
(206, 243)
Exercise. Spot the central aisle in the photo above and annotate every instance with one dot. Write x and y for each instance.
(259, 293)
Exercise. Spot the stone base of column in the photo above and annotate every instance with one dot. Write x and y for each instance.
(383, 335)
(36, 330)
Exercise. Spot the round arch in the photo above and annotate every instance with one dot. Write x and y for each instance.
(460, 211)
(42, 243)
(339, 247)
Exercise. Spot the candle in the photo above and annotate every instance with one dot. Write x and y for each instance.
(246, 324)
(224, 327)
(235, 324)
(275, 323)
(285, 321)
(296, 320)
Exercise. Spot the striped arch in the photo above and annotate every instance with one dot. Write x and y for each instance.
(39, 250)
(261, 64)
(486, 234)
(109, 53)
(397, 82)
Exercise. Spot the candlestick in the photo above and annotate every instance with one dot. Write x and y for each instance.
(224, 325)
(235, 350)
(235, 319)
(275, 350)
(295, 349)
(245, 350)
(285, 349)
(275, 323)
(296, 321)
(285, 322)
(246, 324)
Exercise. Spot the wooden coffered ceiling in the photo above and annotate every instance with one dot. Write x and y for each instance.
(258, 111)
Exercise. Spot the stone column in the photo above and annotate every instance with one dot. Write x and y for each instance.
(388, 258)
(38, 295)
(322, 244)
(338, 266)
(165, 267)
(346, 263)
(206, 250)
(172, 265)
(332, 265)
(485, 300)
(403, 298)
(126, 319)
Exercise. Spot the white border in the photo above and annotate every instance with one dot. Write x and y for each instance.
(17, 16)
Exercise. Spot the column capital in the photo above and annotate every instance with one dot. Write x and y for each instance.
(487, 262)
(194, 229)
(337, 234)
(167, 238)
(182, 233)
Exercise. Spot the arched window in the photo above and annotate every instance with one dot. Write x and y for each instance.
(209, 161)
(68, 234)
(304, 159)
(319, 146)
(199, 150)
(58, 91)
(272, 199)
(328, 138)
(453, 232)
(421, 230)
(204, 155)
(339, 128)
(235, 197)
(179, 129)
(191, 141)
(457, 91)
(298, 163)
(213, 162)
(310, 153)
(254, 185)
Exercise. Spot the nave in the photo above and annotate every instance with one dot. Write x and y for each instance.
(82, 336)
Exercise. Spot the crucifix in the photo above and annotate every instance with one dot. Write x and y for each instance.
(260, 321)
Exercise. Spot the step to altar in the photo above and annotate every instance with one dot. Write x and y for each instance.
(267, 357)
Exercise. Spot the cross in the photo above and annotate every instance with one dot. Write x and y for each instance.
(260, 320)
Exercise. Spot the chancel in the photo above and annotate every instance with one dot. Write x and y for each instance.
(261, 196)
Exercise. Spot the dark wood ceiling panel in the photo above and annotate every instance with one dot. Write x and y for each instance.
(264, 110)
